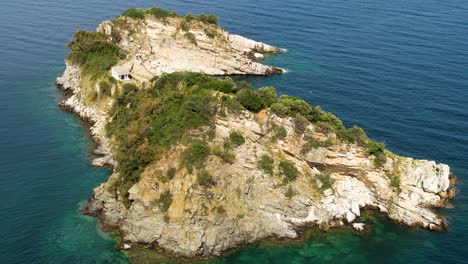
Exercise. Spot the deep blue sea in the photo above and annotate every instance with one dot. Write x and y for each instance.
(397, 68)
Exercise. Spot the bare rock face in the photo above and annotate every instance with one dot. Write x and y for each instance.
(255, 205)
(70, 81)
(162, 46)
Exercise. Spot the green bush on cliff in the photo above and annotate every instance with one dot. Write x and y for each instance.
(164, 201)
(204, 178)
(288, 170)
(354, 134)
(94, 52)
(210, 19)
(378, 151)
(250, 100)
(266, 163)
(279, 132)
(292, 106)
(236, 139)
(136, 13)
(313, 143)
(325, 179)
(190, 36)
(267, 95)
(160, 13)
(196, 154)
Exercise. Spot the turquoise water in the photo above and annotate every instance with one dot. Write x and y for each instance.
(397, 68)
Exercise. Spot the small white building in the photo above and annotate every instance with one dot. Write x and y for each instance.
(121, 73)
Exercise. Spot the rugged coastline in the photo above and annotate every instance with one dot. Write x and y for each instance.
(264, 206)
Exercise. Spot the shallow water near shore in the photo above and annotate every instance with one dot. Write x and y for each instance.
(398, 69)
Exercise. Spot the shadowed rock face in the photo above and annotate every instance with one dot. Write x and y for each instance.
(157, 46)
(244, 204)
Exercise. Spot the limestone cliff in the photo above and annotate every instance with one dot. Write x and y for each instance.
(244, 203)
(172, 45)
(256, 205)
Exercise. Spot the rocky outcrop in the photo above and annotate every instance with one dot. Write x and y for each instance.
(70, 81)
(246, 204)
(161, 46)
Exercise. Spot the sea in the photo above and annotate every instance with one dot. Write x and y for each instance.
(399, 69)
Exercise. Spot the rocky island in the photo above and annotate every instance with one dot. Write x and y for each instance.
(204, 164)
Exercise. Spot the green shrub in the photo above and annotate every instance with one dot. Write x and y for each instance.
(250, 100)
(189, 17)
(164, 201)
(136, 13)
(204, 178)
(300, 124)
(353, 135)
(325, 179)
(288, 170)
(196, 154)
(160, 13)
(185, 26)
(220, 210)
(395, 181)
(210, 33)
(105, 88)
(267, 95)
(279, 132)
(225, 154)
(266, 163)
(170, 173)
(210, 19)
(279, 109)
(378, 151)
(232, 105)
(225, 85)
(290, 193)
(236, 139)
(323, 127)
(313, 143)
(190, 36)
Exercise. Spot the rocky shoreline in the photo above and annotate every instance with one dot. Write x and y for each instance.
(254, 206)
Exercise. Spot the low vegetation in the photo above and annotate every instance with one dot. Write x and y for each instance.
(267, 164)
(195, 155)
(236, 139)
(288, 170)
(313, 143)
(395, 181)
(290, 193)
(325, 179)
(159, 13)
(279, 132)
(378, 151)
(164, 201)
(204, 178)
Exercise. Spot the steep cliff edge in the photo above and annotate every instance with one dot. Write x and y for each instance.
(202, 165)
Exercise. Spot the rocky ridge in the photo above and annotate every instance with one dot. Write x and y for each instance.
(157, 47)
